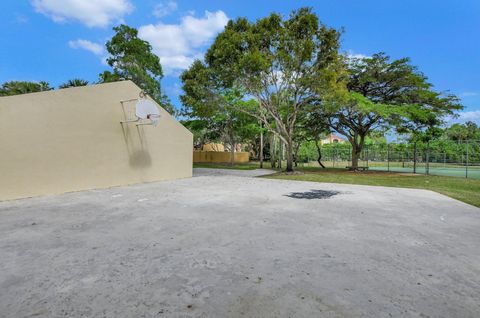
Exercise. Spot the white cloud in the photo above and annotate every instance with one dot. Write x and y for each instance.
(98, 13)
(466, 116)
(178, 45)
(352, 55)
(470, 116)
(95, 48)
(165, 8)
(468, 94)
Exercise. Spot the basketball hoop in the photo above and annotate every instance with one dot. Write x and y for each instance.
(146, 113)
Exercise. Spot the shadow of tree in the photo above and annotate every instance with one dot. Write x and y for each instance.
(313, 194)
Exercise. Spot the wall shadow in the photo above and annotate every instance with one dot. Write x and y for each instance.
(137, 147)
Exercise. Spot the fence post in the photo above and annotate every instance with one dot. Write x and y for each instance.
(415, 157)
(427, 168)
(388, 157)
(334, 154)
(366, 150)
(466, 163)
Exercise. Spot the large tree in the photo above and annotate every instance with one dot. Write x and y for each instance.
(381, 94)
(285, 64)
(132, 58)
(23, 87)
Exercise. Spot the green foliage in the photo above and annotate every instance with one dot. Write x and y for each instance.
(74, 83)
(202, 132)
(381, 94)
(108, 77)
(131, 58)
(286, 64)
(467, 131)
(398, 94)
(307, 151)
(219, 108)
(23, 87)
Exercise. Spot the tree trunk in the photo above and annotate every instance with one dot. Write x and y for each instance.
(280, 154)
(272, 151)
(355, 155)
(319, 151)
(357, 146)
(232, 152)
(261, 149)
(295, 154)
(289, 155)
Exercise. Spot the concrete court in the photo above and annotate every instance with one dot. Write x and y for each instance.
(225, 245)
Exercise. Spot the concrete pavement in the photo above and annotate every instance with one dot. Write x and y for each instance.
(225, 244)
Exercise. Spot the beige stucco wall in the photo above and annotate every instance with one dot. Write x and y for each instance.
(71, 139)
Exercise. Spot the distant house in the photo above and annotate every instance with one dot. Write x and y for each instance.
(332, 138)
(213, 147)
(218, 147)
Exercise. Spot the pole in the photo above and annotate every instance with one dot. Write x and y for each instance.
(366, 155)
(388, 157)
(415, 157)
(427, 168)
(261, 146)
(466, 163)
(334, 154)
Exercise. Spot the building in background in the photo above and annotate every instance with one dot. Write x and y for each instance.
(332, 138)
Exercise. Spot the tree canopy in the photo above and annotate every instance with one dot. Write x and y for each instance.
(285, 64)
(381, 94)
(463, 132)
(23, 87)
(217, 107)
(73, 83)
(132, 58)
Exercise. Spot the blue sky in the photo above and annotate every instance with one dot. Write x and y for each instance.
(56, 40)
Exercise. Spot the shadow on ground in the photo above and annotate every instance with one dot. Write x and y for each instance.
(313, 194)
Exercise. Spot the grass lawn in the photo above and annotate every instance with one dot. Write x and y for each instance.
(466, 190)
(237, 166)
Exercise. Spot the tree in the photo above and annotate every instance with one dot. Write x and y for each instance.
(23, 87)
(459, 132)
(218, 107)
(202, 132)
(315, 127)
(108, 77)
(381, 94)
(131, 58)
(74, 83)
(283, 64)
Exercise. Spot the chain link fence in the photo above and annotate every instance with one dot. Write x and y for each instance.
(460, 159)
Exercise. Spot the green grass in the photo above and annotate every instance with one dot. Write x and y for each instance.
(237, 166)
(466, 190)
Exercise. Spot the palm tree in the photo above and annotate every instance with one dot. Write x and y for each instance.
(23, 87)
(74, 83)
